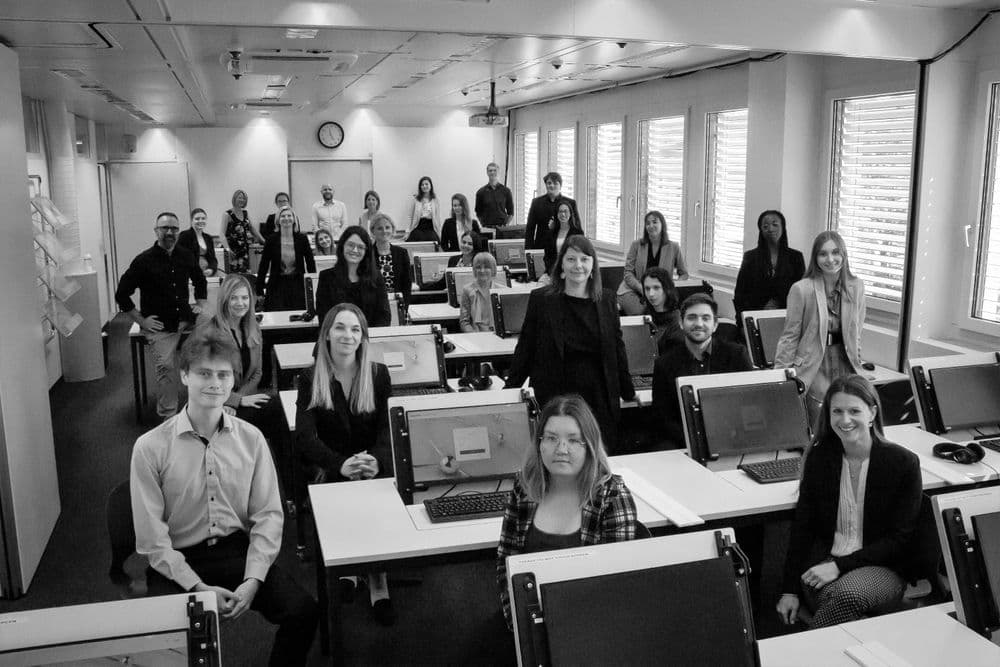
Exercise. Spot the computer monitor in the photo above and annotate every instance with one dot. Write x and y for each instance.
(510, 232)
(640, 347)
(750, 418)
(509, 307)
(508, 252)
(463, 444)
(414, 359)
(967, 395)
(413, 247)
(458, 278)
(612, 275)
(770, 331)
(689, 286)
(535, 260)
(429, 267)
(324, 262)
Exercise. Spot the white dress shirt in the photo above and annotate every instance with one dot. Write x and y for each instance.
(850, 512)
(332, 217)
(185, 492)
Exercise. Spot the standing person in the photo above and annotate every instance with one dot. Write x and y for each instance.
(458, 223)
(200, 243)
(270, 226)
(287, 257)
(239, 234)
(372, 205)
(701, 354)
(324, 243)
(566, 224)
(769, 270)
(571, 339)
(654, 249)
(354, 279)
(565, 495)
(475, 311)
(852, 539)
(542, 213)
(494, 201)
(342, 418)
(826, 311)
(206, 508)
(391, 261)
(328, 213)
(162, 274)
(662, 307)
(425, 213)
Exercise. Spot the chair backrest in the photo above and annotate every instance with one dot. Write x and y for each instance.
(121, 531)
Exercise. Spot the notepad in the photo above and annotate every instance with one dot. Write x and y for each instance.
(678, 514)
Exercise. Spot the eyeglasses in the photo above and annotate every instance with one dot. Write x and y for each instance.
(355, 247)
(552, 441)
(166, 228)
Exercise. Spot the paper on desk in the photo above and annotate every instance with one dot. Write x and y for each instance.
(669, 507)
(874, 654)
(944, 470)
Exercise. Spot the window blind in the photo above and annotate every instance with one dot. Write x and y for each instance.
(661, 172)
(725, 188)
(604, 182)
(562, 156)
(526, 161)
(870, 187)
(986, 304)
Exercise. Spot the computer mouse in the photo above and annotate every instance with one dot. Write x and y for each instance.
(449, 347)
(868, 366)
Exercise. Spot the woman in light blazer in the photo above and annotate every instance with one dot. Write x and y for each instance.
(654, 249)
(826, 312)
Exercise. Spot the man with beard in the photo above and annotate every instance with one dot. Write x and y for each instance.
(699, 355)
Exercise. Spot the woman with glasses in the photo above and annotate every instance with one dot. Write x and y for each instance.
(565, 495)
(354, 279)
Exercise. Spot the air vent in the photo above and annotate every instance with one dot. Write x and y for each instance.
(267, 104)
(298, 62)
(93, 86)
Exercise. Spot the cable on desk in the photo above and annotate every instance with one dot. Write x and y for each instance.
(448, 490)
(499, 483)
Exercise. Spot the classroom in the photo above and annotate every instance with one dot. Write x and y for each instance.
(877, 120)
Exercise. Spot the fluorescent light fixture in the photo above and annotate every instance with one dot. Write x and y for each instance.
(301, 33)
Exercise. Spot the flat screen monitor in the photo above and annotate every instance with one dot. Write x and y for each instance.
(612, 275)
(464, 444)
(429, 267)
(640, 347)
(509, 307)
(459, 279)
(413, 247)
(510, 232)
(414, 360)
(770, 331)
(508, 252)
(967, 395)
(324, 262)
(753, 418)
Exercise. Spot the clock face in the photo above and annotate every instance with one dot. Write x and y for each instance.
(331, 134)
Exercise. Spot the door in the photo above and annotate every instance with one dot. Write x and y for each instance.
(350, 180)
(138, 192)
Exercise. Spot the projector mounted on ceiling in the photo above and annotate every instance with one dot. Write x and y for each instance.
(492, 117)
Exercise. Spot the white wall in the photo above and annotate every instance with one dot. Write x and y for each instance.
(88, 210)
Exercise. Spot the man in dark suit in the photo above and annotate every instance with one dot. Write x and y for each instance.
(543, 210)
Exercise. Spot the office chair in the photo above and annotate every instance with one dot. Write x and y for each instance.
(128, 569)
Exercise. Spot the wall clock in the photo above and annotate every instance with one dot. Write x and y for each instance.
(330, 134)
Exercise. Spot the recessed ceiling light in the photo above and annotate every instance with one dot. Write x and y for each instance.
(301, 33)
(265, 113)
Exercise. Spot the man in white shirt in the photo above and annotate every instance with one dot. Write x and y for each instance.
(329, 214)
(206, 508)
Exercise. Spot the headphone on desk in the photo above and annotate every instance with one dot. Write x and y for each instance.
(967, 454)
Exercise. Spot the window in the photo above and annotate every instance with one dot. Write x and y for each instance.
(725, 188)
(870, 187)
(986, 302)
(526, 163)
(604, 183)
(562, 156)
(661, 172)
(82, 137)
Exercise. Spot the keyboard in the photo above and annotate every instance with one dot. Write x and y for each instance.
(420, 391)
(468, 506)
(768, 472)
(642, 381)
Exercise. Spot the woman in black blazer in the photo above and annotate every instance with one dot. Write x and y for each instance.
(769, 270)
(391, 261)
(342, 417)
(200, 243)
(459, 223)
(287, 257)
(354, 280)
(851, 547)
(571, 339)
(566, 224)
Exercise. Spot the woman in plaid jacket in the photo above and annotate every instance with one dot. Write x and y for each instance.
(565, 495)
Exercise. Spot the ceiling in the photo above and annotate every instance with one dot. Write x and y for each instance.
(125, 69)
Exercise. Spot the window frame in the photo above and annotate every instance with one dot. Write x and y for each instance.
(639, 213)
(522, 203)
(584, 202)
(705, 266)
(559, 127)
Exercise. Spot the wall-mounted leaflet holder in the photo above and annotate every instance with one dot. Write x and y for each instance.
(705, 619)
(50, 259)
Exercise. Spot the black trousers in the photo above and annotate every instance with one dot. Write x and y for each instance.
(279, 599)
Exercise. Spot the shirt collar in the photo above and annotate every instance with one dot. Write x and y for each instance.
(707, 353)
(182, 423)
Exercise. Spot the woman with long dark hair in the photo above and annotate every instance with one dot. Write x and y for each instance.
(769, 270)
(459, 223)
(354, 280)
(565, 224)
(425, 213)
(200, 243)
(662, 306)
(654, 249)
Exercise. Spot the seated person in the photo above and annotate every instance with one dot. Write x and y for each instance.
(342, 418)
(565, 495)
(662, 307)
(700, 354)
(206, 508)
(475, 310)
(859, 498)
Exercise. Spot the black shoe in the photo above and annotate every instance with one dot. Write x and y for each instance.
(384, 612)
(348, 589)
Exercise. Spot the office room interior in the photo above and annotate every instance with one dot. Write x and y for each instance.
(709, 110)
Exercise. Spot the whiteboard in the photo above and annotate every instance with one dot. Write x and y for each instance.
(455, 158)
(134, 204)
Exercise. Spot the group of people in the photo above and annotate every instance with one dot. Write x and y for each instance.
(859, 493)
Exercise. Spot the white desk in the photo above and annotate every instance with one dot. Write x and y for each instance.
(431, 313)
(481, 344)
(922, 443)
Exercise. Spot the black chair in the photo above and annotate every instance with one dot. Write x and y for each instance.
(125, 572)
(642, 532)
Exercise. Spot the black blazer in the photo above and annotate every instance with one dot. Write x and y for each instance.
(539, 352)
(540, 216)
(892, 504)
(187, 239)
(334, 288)
(271, 254)
(327, 438)
(754, 289)
(551, 254)
(400, 269)
(449, 234)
